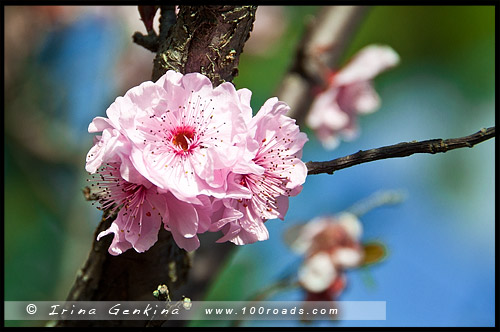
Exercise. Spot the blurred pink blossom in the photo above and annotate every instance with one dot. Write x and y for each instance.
(349, 93)
(330, 245)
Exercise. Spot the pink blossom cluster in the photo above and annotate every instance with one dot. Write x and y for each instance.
(350, 93)
(330, 245)
(192, 158)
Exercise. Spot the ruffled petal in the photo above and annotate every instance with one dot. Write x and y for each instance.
(254, 228)
(183, 217)
(193, 82)
(119, 244)
(230, 232)
(204, 212)
(99, 124)
(107, 149)
(144, 234)
(245, 96)
(188, 244)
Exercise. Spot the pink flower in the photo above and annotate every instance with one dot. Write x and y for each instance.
(331, 245)
(194, 154)
(350, 92)
(179, 133)
(280, 174)
(183, 136)
(142, 210)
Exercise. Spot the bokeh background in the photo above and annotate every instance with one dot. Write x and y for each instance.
(66, 65)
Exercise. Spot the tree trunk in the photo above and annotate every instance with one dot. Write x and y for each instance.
(204, 39)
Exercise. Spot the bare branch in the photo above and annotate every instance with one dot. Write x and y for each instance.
(399, 150)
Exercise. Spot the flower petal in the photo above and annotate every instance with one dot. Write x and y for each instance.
(119, 244)
(347, 257)
(145, 234)
(183, 217)
(366, 64)
(317, 273)
(188, 244)
(99, 124)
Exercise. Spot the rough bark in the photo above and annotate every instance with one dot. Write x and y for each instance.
(206, 39)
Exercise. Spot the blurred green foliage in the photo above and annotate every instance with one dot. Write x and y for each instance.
(457, 38)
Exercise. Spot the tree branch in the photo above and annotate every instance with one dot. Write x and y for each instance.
(399, 150)
(151, 41)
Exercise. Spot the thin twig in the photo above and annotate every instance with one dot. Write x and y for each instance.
(149, 41)
(167, 21)
(399, 150)
(378, 199)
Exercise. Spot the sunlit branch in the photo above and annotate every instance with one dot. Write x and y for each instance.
(399, 150)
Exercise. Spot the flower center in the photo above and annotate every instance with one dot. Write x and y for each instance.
(183, 138)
